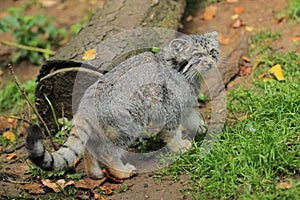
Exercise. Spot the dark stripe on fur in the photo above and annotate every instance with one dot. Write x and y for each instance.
(66, 161)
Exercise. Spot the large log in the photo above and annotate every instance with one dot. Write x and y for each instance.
(57, 75)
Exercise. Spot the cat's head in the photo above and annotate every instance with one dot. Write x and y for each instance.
(195, 54)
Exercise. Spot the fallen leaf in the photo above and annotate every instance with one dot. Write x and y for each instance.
(273, 72)
(90, 54)
(88, 183)
(210, 12)
(277, 71)
(11, 156)
(235, 16)
(279, 20)
(255, 65)
(106, 190)
(249, 28)
(222, 39)
(246, 59)
(51, 185)
(62, 183)
(296, 38)
(232, 1)
(239, 10)
(9, 135)
(1, 72)
(237, 23)
(98, 196)
(34, 188)
(286, 184)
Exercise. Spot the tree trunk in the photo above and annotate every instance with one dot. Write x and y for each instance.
(54, 92)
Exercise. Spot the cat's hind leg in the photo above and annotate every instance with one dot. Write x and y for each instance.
(92, 166)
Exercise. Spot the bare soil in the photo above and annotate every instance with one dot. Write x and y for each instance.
(257, 15)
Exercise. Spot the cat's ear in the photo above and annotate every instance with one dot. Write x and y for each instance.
(178, 45)
(212, 35)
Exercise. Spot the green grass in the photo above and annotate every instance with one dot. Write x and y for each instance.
(253, 155)
(294, 10)
(11, 98)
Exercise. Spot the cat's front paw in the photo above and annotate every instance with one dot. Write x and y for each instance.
(182, 145)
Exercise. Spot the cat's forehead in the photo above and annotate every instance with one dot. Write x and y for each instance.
(205, 40)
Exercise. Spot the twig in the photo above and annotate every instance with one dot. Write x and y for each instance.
(30, 104)
(17, 118)
(29, 48)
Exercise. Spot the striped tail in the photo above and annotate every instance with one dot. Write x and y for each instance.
(53, 161)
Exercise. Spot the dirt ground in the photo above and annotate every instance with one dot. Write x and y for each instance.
(255, 15)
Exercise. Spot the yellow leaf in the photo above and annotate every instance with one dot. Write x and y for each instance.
(255, 65)
(249, 28)
(234, 17)
(296, 38)
(9, 135)
(90, 54)
(277, 72)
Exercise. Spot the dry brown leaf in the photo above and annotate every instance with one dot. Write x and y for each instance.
(90, 54)
(286, 184)
(62, 183)
(48, 183)
(106, 189)
(88, 183)
(222, 39)
(34, 188)
(237, 23)
(98, 196)
(11, 156)
(279, 20)
(210, 12)
(239, 10)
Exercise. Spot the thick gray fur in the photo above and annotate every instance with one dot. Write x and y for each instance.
(147, 92)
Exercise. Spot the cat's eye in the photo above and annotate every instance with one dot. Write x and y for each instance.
(197, 55)
(212, 51)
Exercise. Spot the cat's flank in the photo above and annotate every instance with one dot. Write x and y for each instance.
(153, 92)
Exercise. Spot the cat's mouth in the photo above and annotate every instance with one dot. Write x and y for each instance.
(182, 66)
(185, 66)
